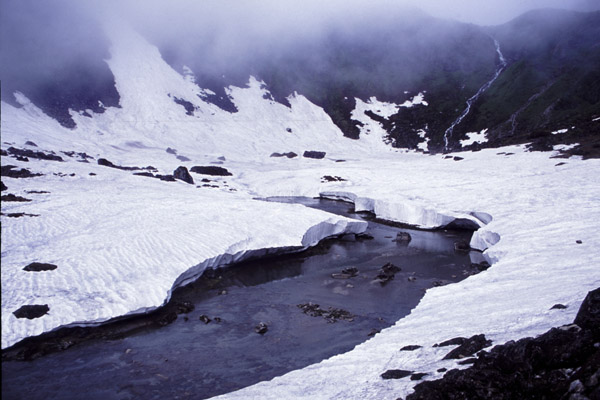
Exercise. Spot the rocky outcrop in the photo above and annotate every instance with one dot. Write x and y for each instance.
(563, 363)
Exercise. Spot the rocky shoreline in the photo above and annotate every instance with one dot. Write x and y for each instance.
(563, 363)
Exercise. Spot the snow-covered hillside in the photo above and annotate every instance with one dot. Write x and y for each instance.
(121, 241)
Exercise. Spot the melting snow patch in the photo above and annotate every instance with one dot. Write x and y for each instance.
(474, 137)
(416, 100)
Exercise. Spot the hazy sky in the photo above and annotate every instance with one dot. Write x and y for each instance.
(493, 12)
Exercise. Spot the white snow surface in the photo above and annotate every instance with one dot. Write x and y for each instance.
(122, 241)
(474, 137)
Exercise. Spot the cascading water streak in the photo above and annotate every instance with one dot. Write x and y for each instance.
(472, 99)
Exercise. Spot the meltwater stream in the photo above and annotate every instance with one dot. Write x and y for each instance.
(473, 98)
(214, 348)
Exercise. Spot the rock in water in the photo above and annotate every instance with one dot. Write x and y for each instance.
(261, 328)
(183, 174)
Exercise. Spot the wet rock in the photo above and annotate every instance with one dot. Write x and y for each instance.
(211, 170)
(411, 347)
(32, 311)
(331, 314)
(182, 173)
(418, 376)
(204, 318)
(396, 374)
(261, 328)
(37, 267)
(403, 237)
(167, 319)
(462, 246)
(558, 307)
(346, 273)
(11, 172)
(482, 266)
(470, 346)
(12, 197)
(314, 154)
(184, 307)
(387, 273)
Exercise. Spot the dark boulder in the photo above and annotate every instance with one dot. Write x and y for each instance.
(261, 328)
(211, 170)
(182, 173)
(12, 197)
(32, 311)
(40, 155)
(411, 347)
(314, 154)
(396, 374)
(2, 186)
(457, 341)
(588, 316)
(470, 346)
(403, 237)
(37, 267)
(462, 246)
(8, 170)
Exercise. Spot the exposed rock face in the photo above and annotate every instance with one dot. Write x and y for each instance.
(563, 363)
(10, 171)
(469, 347)
(40, 155)
(211, 170)
(183, 174)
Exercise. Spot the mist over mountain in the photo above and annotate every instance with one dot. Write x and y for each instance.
(330, 55)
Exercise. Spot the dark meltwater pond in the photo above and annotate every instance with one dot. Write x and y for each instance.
(215, 348)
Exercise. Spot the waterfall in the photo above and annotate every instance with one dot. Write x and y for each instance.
(471, 100)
